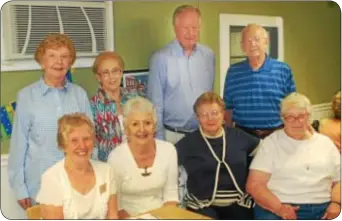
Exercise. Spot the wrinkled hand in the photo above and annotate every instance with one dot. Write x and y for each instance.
(25, 203)
(287, 211)
(332, 211)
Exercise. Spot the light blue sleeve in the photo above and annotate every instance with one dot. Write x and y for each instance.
(95, 150)
(86, 106)
(213, 70)
(89, 110)
(155, 89)
(19, 147)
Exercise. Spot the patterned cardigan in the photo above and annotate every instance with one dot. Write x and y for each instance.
(109, 133)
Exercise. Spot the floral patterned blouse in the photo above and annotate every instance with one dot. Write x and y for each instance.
(109, 133)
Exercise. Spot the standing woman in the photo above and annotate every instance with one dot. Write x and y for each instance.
(33, 146)
(106, 104)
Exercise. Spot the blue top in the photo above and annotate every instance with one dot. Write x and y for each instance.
(255, 96)
(33, 147)
(176, 81)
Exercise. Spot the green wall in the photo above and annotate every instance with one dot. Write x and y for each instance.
(312, 42)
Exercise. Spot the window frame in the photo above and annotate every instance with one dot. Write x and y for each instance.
(30, 64)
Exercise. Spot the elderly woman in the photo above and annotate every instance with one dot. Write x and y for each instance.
(107, 103)
(33, 146)
(296, 172)
(77, 187)
(215, 160)
(145, 168)
(332, 127)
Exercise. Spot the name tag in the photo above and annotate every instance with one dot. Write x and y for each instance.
(103, 188)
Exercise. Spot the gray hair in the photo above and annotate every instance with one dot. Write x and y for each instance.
(182, 8)
(139, 105)
(296, 100)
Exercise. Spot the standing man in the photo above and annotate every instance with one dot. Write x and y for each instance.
(179, 73)
(254, 87)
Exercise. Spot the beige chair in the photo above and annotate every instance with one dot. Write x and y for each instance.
(33, 212)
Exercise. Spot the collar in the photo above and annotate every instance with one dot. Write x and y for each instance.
(266, 66)
(103, 96)
(211, 137)
(180, 50)
(46, 88)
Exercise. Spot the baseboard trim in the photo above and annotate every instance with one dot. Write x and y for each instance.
(320, 111)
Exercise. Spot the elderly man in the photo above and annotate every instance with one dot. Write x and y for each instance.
(254, 87)
(179, 73)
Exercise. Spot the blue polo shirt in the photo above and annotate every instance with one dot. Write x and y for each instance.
(255, 95)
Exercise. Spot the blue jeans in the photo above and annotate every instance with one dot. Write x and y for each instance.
(306, 211)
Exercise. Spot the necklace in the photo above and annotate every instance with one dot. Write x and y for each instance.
(219, 163)
(144, 160)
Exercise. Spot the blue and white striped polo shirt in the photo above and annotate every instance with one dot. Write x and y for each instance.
(255, 96)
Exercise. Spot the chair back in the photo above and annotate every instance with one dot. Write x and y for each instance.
(33, 212)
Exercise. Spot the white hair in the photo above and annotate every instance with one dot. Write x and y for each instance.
(139, 105)
(296, 100)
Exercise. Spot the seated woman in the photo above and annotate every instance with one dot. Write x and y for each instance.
(296, 171)
(107, 103)
(332, 127)
(215, 160)
(77, 187)
(145, 168)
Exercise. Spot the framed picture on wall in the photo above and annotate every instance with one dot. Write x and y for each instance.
(136, 81)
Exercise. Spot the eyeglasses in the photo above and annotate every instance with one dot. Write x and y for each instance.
(212, 114)
(292, 118)
(114, 72)
(256, 40)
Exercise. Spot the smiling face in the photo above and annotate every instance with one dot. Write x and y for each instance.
(79, 144)
(55, 62)
(140, 128)
(210, 117)
(187, 26)
(109, 74)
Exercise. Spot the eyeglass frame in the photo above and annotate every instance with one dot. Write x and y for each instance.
(300, 118)
(213, 114)
(114, 72)
(256, 40)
